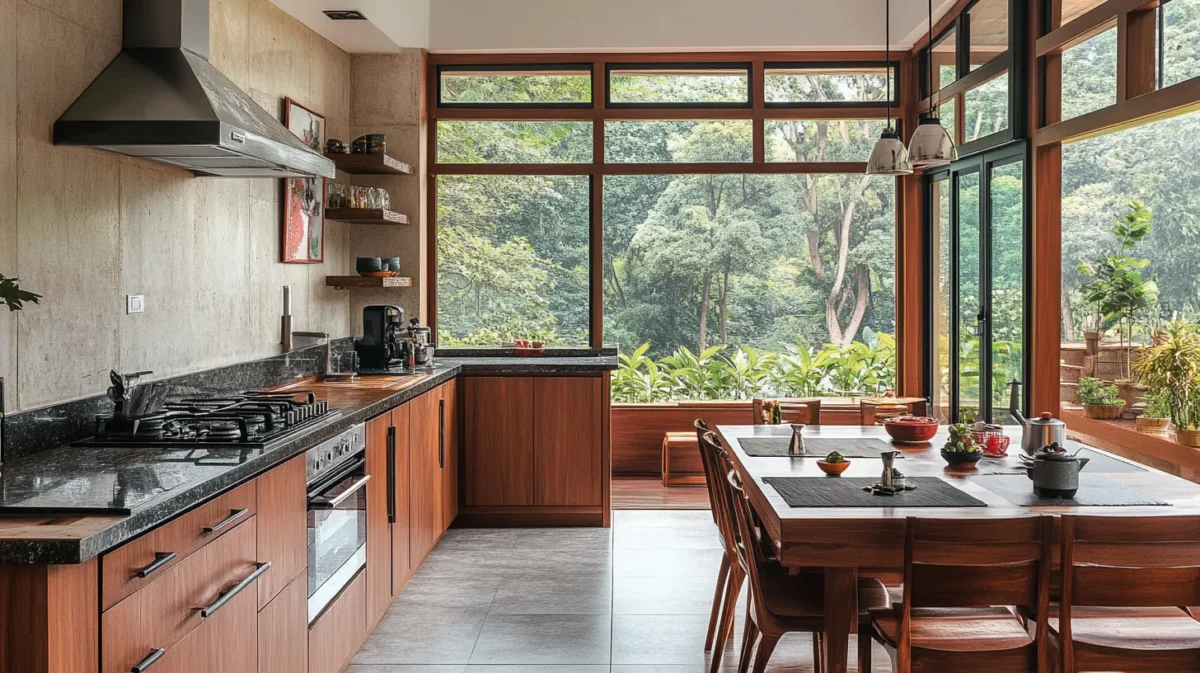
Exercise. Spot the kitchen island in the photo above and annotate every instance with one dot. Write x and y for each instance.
(212, 569)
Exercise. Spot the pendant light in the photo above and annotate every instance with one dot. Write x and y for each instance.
(931, 145)
(890, 156)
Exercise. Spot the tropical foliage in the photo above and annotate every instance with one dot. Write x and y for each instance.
(739, 373)
(1171, 370)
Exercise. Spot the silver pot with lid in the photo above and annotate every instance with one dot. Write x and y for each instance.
(1036, 432)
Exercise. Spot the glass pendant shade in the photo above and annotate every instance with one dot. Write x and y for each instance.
(931, 145)
(890, 156)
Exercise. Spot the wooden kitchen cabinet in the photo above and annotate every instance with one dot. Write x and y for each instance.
(567, 441)
(282, 527)
(450, 452)
(283, 631)
(425, 476)
(402, 564)
(534, 450)
(379, 529)
(336, 636)
(498, 440)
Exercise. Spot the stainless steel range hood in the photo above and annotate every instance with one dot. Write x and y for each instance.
(160, 99)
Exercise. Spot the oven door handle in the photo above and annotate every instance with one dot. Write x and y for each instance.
(343, 497)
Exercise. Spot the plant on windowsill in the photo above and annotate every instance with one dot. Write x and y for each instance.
(13, 296)
(1100, 400)
(1156, 417)
(1171, 368)
(1117, 292)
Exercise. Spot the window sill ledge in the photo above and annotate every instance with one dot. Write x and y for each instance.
(1159, 451)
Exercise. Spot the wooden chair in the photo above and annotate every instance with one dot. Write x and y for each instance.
(795, 410)
(729, 576)
(875, 410)
(681, 464)
(781, 603)
(1123, 579)
(955, 573)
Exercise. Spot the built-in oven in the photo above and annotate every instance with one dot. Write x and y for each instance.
(337, 517)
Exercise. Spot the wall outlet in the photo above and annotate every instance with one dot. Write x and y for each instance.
(135, 303)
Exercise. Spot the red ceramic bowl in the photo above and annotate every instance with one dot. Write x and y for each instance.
(911, 429)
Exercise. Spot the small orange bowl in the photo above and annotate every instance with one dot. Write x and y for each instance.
(833, 468)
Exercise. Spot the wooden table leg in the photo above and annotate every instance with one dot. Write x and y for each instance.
(841, 616)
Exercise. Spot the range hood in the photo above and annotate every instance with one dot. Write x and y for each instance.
(160, 99)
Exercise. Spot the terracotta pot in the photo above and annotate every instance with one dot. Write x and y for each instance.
(1103, 412)
(1188, 437)
(1092, 341)
(1152, 424)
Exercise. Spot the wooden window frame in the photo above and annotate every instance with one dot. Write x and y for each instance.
(908, 285)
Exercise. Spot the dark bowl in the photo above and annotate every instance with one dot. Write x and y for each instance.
(959, 458)
(368, 264)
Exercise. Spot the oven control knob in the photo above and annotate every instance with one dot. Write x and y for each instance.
(316, 464)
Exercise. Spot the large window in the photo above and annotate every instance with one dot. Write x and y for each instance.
(726, 222)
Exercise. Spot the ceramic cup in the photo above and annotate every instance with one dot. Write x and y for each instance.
(391, 263)
(376, 143)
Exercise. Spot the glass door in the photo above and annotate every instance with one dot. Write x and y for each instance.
(978, 305)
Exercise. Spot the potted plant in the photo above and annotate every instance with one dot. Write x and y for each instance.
(1117, 291)
(961, 449)
(1172, 368)
(1100, 400)
(1092, 333)
(1157, 415)
(13, 296)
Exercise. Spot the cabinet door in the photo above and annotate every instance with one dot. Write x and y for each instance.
(425, 476)
(498, 440)
(402, 519)
(450, 451)
(567, 440)
(283, 631)
(379, 532)
(282, 527)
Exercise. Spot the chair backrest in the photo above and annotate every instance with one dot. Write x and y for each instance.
(952, 563)
(793, 410)
(875, 410)
(711, 456)
(749, 550)
(1140, 562)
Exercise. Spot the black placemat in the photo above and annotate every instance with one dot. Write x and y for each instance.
(1094, 491)
(816, 447)
(1098, 463)
(848, 492)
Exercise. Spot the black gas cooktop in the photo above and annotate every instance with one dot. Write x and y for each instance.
(250, 419)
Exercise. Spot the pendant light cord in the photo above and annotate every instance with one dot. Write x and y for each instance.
(931, 85)
(887, 58)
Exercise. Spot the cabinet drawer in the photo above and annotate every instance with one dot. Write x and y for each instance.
(135, 564)
(162, 613)
(336, 636)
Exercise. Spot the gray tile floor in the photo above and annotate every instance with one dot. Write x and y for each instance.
(632, 599)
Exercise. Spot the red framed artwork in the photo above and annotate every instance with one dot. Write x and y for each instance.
(304, 198)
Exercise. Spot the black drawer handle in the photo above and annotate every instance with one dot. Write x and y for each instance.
(161, 559)
(224, 598)
(149, 661)
(234, 515)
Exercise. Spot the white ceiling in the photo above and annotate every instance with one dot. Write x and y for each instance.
(614, 25)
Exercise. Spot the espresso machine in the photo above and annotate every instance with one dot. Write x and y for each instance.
(383, 348)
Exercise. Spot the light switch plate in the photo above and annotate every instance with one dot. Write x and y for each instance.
(135, 303)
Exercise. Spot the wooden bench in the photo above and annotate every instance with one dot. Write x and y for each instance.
(681, 460)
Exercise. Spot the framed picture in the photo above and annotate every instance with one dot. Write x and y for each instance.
(304, 198)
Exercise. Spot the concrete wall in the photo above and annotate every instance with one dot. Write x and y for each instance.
(386, 98)
(84, 227)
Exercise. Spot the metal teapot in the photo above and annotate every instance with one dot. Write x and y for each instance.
(1055, 473)
(1035, 432)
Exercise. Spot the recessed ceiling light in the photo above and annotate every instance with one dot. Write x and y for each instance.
(345, 15)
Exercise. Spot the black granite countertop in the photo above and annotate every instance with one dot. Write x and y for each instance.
(147, 487)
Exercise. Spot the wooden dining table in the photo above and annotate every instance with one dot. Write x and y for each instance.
(841, 540)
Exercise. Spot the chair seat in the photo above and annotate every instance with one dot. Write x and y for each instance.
(804, 595)
(1150, 629)
(955, 629)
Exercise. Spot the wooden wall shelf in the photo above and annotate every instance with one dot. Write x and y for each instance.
(366, 216)
(369, 164)
(343, 282)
